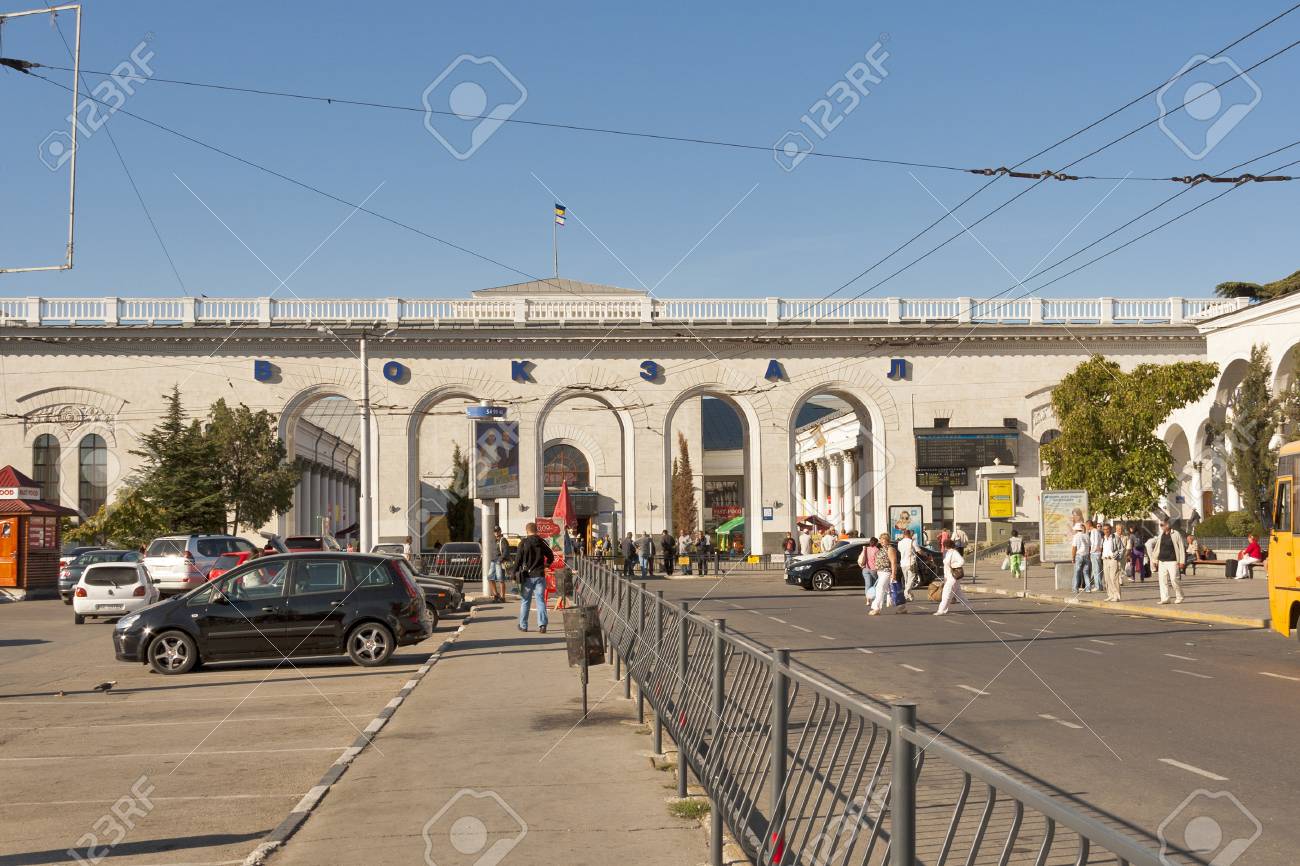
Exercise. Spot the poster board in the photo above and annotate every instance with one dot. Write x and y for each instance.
(1060, 511)
(903, 517)
(496, 459)
(1001, 498)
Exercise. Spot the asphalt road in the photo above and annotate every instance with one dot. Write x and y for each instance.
(1129, 715)
(208, 762)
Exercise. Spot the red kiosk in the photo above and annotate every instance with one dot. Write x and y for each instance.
(29, 538)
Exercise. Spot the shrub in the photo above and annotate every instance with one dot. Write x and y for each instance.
(1229, 524)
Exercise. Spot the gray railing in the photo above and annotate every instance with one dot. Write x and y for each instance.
(804, 773)
(618, 310)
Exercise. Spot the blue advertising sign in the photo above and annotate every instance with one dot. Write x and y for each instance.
(476, 412)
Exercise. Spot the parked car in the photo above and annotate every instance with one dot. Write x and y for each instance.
(393, 548)
(302, 604)
(112, 589)
(311, 542)
(72, 553)
(839, 567)
(226, 561)
(463, 559)
(181, 562)
(71, 573)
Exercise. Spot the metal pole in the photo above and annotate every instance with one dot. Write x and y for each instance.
(657, 732)
(719, 688)
(682, 663)
(366, 529)
(780, 724)
(902, 788)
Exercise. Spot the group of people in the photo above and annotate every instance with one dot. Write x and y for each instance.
(644, 551)
(1106, 555)
(889, 572)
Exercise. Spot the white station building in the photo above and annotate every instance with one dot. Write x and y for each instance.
(788, 407)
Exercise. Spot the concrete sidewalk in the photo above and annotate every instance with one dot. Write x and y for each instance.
(1209, 596)
(487, 762)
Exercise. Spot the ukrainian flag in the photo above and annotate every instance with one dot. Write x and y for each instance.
(559, 214)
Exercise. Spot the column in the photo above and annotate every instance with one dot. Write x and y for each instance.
(823, 487)
(836, 516)
(801, 506)
(851, 494)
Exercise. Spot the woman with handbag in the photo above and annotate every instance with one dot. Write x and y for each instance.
(867, 562)
(954, 569)
(889, 587)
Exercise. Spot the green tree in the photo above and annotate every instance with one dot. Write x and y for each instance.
(129, 521)
(460, 502)
(1108, 420)
(1258, 292)
(255, 480)
(179, 474)
(686, 513)
(1245, 438)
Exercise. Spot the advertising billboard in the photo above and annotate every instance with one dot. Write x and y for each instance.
(496, 459)
(1061, 510)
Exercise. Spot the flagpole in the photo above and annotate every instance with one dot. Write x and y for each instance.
(555, 246)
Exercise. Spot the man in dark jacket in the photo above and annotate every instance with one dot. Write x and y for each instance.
(668, 547)
(629, 555)
(531, 562)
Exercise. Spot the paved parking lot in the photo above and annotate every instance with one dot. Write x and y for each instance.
(176, 770)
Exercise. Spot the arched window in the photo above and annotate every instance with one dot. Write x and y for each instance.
(45, 466)
(564, 463)
(92, 474)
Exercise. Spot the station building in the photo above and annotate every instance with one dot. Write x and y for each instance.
(787, 408)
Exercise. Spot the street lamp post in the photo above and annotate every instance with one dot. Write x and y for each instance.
(365, 530)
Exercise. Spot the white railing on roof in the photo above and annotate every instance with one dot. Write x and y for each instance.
(633, 310)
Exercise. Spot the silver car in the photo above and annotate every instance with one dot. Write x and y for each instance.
(178, 563)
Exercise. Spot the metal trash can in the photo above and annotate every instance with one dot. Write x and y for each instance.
(582, 634)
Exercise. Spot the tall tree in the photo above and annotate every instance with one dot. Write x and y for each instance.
(129, 521)
(1108, 420)
(179, 474)
(686, 513)
(256, 481)
(460, 499)
(1244, 440)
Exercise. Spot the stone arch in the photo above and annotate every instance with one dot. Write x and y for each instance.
(330, 486)
(1185, 483)
(872, 488)
(630, 417)
(584, 442)
(71, 414)
(854, 377)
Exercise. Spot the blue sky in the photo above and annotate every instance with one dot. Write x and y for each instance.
(966, 85)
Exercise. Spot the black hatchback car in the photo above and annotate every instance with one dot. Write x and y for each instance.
(839, 567)
(306, 604)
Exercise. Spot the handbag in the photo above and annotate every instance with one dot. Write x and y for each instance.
(935, 591)
(1006, 563)
(958, 572)
(896, 593)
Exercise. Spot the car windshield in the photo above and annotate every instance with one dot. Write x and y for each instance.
(226, 560)
(99, 556)
(166, 547)
(312, 541)
(111, 575)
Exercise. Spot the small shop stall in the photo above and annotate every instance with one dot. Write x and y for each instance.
(29, 538)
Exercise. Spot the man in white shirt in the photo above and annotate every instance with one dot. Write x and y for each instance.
(828, 541)
(1111, 553)
(1081, 550)
(906, 545)
(805, 541)
(1094, 549)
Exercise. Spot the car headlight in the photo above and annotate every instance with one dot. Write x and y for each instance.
(802, 566)
(126, 622)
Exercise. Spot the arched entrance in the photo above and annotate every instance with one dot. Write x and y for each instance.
(585, 440)
(321, 429)
(443, 507)
(839, 462)
(1184, 494)
(1214, 448)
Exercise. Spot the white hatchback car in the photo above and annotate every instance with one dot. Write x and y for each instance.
(112, 589)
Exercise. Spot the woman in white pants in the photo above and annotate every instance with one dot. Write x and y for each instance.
(951, 583)
(887, 575)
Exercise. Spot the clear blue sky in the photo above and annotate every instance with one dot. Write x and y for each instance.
(978, 85)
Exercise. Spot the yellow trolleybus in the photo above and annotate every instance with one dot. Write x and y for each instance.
(1283, 545)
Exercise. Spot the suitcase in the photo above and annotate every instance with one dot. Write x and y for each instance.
(1230, 568)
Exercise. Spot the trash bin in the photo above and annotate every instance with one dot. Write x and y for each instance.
(582, 634)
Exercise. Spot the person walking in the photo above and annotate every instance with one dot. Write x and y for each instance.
(703, 551)
(668, 549)
(645, 549)
(686, 548)
(629, 555)
(867, 562)
(1125, 550)
(805, 541)
(1112, 555)
(1137, 554)
(1016, 553)
(497, 567)
(535, 556)
(907, 562)
(1094, 556)
(1079, 544)
(1167, 554)
(888, 589)
(954, 569)
(788, 547)
(944, 535)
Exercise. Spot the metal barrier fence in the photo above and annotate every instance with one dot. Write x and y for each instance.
(804, 774)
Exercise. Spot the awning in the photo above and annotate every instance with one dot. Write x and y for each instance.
(815, 520)
(732, 524)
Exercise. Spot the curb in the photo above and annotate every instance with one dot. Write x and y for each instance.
(1161, 612)
(310, 800)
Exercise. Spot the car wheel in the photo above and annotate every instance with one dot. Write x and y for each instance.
(823, 581)
(78, 619)
(433, 613)
(370, 644)
(173, 652)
